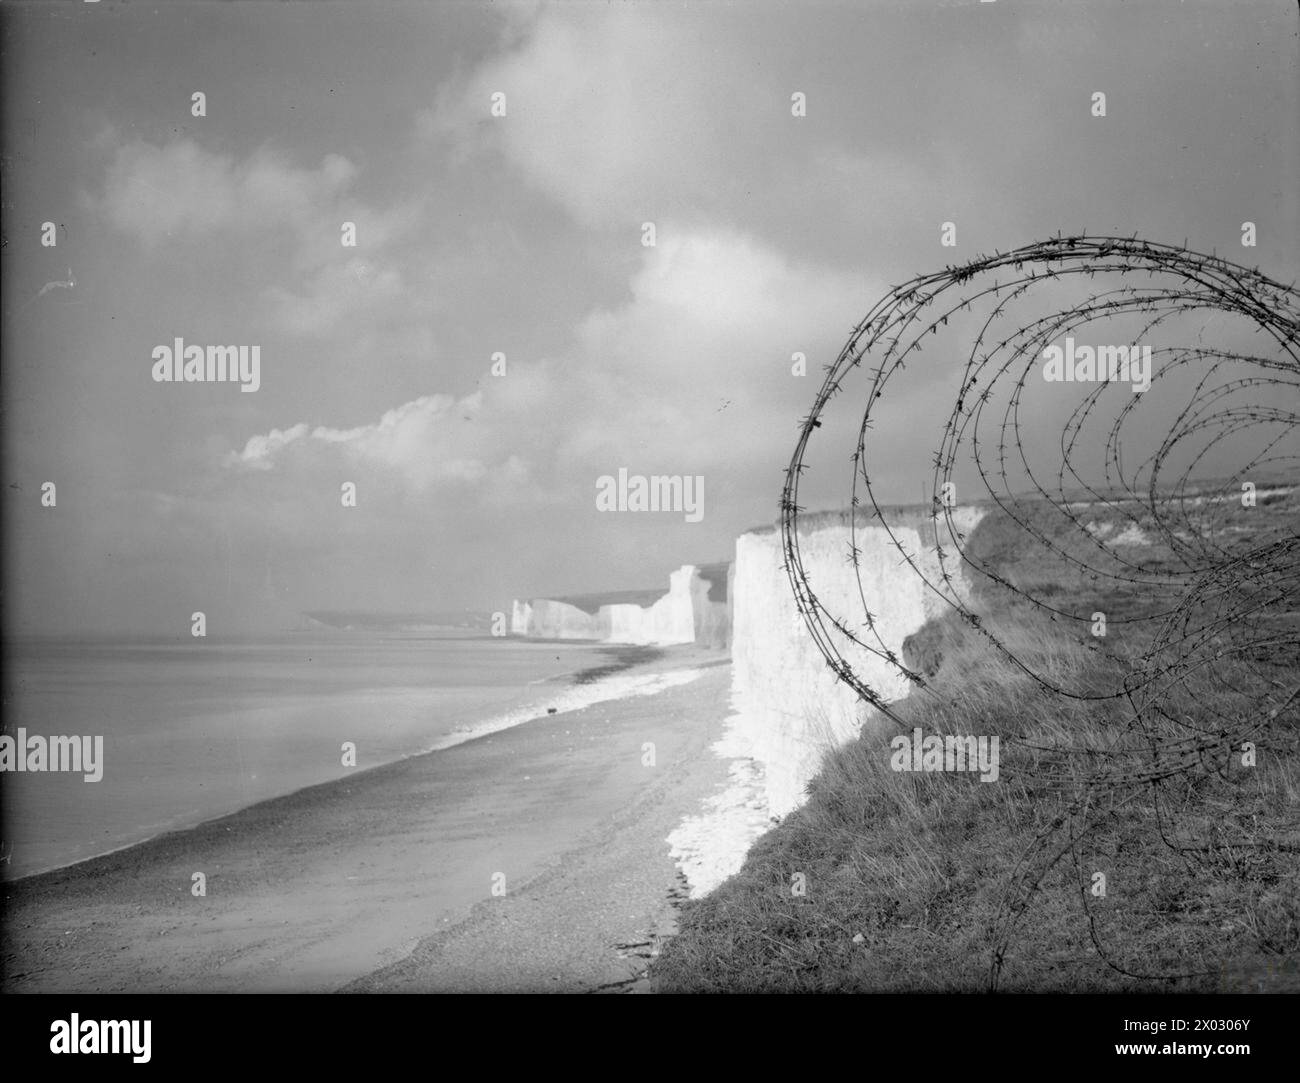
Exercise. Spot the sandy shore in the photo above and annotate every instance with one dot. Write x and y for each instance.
(384, 881)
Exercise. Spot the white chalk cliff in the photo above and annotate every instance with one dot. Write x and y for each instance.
(789, 708)
(684, 615)
(792, 707)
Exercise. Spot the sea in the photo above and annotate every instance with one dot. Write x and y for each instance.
(199, 729)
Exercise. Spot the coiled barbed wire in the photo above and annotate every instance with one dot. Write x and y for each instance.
(1157, 540)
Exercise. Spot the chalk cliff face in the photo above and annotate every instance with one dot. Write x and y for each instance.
(558, 620)
(520, 614)
(792, 708)
(686, 614)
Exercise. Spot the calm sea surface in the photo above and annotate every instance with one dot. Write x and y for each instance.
(193, 731)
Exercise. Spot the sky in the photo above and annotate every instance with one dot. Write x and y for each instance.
(523, 235)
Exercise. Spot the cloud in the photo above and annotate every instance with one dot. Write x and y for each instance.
(183, 191)
(427, 442)
(337, 293)
(608, 111)
(260, 451)
(726, 286)
(713, 318)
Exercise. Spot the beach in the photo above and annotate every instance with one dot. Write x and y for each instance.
(193, 731)
(533, 858)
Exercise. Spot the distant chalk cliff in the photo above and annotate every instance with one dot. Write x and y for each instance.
(694, 610)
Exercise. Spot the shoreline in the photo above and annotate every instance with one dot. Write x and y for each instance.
(596, 678)
(336, 882)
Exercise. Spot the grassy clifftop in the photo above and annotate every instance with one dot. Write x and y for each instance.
(889, 880)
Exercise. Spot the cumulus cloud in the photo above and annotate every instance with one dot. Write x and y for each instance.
(714, 317)
(260, 451)
(429, 441)
(728, 287)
